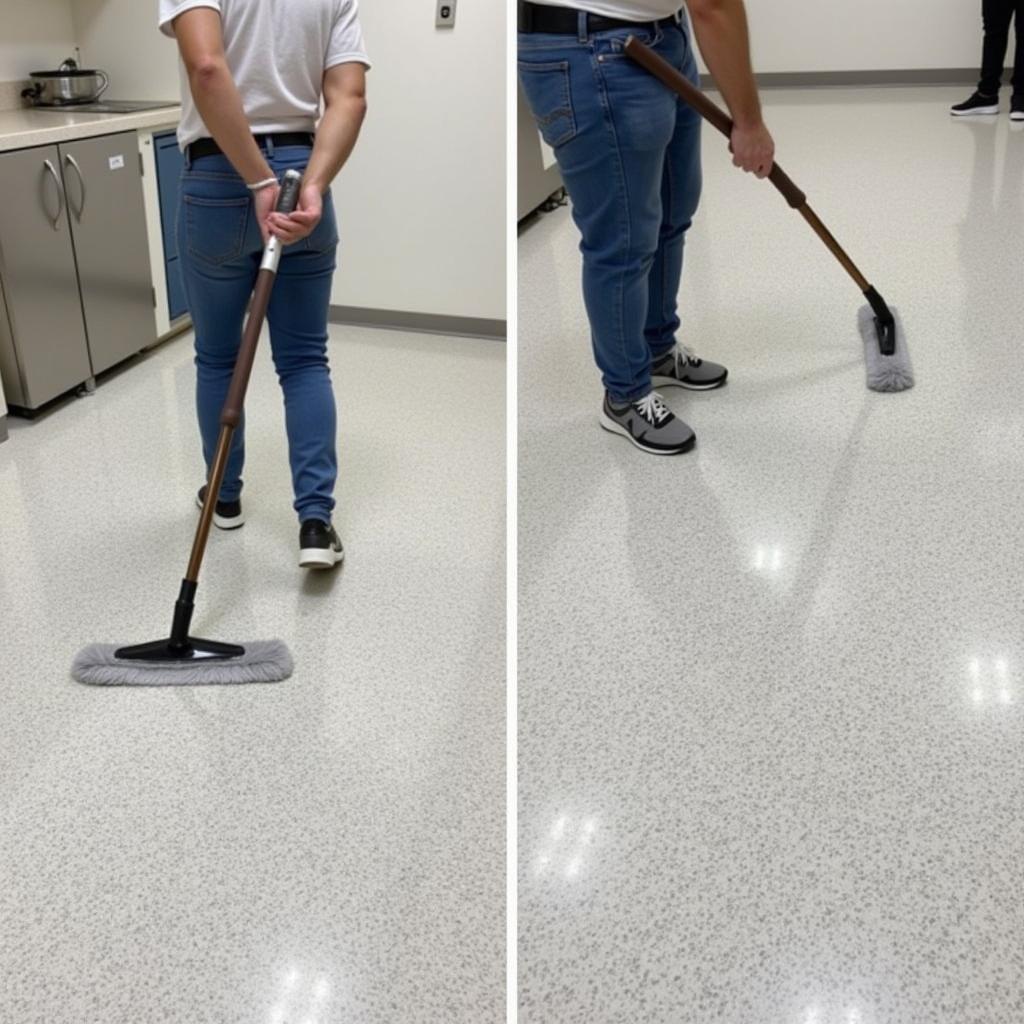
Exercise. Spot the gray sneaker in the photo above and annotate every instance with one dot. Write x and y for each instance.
(680, 367)
(649, 424)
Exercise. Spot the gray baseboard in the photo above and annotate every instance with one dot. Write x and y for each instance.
(927, 76)
(3, 429)
(421, 323)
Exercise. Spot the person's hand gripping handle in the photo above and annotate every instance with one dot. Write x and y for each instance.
(287, 201)
(710, 111)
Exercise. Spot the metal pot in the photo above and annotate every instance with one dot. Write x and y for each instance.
(66, 86)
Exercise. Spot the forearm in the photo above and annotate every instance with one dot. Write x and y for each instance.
(335, 139)
(721, 30)
(219, 104)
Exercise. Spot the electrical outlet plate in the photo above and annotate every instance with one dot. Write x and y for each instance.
(445, 14)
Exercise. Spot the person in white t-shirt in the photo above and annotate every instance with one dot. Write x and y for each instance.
(254, 75)
(629, 153)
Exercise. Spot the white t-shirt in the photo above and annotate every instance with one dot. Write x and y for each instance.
(627, 10)
(278, 51)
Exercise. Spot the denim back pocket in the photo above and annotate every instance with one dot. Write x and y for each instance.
(547, 90)
(215, 229)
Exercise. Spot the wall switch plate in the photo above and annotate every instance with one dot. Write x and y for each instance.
(445, 14)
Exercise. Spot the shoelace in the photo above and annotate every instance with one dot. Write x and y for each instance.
(653, 409)
(685, 354)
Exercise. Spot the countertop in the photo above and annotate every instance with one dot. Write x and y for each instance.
(30, 127)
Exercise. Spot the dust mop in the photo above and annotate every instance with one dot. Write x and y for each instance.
(181, 659)
(888, 363)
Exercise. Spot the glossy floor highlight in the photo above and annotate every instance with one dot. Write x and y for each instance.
(771, 732)
(328, 849)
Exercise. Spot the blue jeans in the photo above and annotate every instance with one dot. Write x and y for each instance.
(629, 153)
(219, 245)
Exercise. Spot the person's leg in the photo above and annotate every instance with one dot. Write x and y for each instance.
(996, 15)
(218, 247)
(609, 122)
(680, 196)
(1018, 63)
(298, 337)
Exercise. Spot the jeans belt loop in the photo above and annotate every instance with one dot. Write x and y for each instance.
(270, 146)
(583, 21)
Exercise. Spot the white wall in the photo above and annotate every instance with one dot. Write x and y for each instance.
(865, 35)
(35, 35)
(421, 204)
(121, 37)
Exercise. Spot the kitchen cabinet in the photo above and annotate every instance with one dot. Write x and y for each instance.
(74, 265)
(44, 349)
(169, 164)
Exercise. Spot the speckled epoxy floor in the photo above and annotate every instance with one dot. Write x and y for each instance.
(327, 850)
(771, 730)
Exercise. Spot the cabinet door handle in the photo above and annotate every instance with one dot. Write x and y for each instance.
(69, 159)
(55, 221)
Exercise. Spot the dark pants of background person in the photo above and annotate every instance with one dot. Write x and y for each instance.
(997, 15)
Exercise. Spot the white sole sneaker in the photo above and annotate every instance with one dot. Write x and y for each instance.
(675, 382)
(223, 522)
(1017, 115)
(976, 110)
(617, 428)
(320, 558)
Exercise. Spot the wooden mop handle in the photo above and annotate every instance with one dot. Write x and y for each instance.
(707, 109)
(231, 413)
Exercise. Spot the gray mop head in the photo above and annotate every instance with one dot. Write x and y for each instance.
(264, 661)
(885, 373)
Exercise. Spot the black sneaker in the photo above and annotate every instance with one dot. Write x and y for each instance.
(227, 515)
(649, 424)
(319, 545)
(1017, 108)
(977, 104)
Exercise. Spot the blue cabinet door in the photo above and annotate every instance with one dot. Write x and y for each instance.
(176, 304)
(169, 162)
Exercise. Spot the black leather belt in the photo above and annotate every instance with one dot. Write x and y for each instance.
(566, 20)
(207, 147)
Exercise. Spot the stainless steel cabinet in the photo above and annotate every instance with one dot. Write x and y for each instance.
(108, 225)
(74, 265)
(45, 351)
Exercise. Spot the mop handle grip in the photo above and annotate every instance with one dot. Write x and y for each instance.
(288, 197)
(710, 111)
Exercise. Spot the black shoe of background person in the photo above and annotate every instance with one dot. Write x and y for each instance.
(977, 104)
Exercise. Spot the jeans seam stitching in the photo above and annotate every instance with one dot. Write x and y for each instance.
(621, 176)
